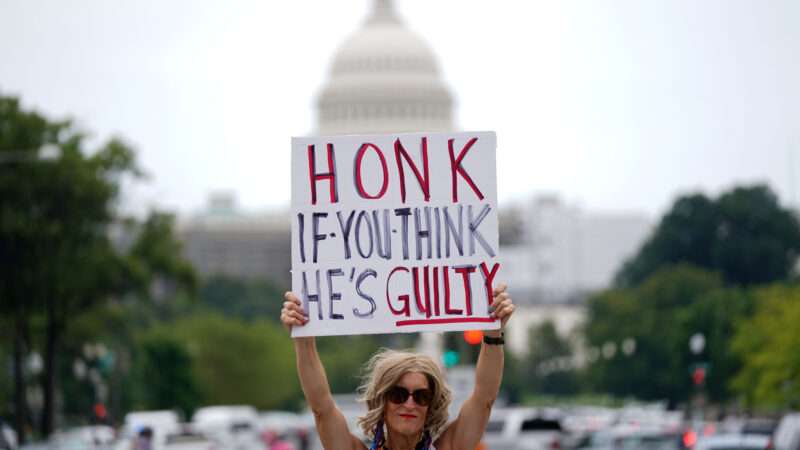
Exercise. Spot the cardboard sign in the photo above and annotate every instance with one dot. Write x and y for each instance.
(394, 233)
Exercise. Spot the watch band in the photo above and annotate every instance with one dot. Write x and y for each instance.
(494, 340)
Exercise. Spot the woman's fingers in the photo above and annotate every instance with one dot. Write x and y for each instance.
(499, 289)
(291, 297)
(502, 307)
(290, 306)
(292, 312)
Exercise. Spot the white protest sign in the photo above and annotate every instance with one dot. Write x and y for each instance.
(394, 233)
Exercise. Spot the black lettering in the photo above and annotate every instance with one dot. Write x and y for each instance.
(363, 276)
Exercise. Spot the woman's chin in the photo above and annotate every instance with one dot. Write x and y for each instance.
(408, 429)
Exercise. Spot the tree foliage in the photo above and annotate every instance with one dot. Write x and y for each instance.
(163, 374)
(661, 315)
(238, 363)
(744, 234)
(57, 255)
(768, 344)
(546, 346)
(244, 299)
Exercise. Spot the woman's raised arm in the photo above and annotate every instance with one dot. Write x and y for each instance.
(466, 431)
(331, 424)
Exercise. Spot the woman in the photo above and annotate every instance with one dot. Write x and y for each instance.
(406, 395)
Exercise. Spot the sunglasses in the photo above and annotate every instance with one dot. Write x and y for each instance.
(399, 395)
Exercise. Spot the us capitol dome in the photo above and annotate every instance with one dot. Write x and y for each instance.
(384, 78)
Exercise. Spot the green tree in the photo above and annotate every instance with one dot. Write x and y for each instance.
(56, 255)
(244, 299)
(661, 315)
(164, 373)
(53, 229)
(767, 344)
(545, 347)
(744, 234)
(235, 362)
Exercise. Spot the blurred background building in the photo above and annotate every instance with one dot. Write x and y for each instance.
(554, 255)
(223, 240)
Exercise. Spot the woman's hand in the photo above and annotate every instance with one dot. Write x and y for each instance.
(502, 307)
(292, 314)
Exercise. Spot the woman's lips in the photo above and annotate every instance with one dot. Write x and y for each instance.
(408, 416)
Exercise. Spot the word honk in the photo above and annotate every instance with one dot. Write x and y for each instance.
(394, 233)
(402, 159)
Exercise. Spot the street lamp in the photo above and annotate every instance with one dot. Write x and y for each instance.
(698, 372)
(697, 343)
(96, 363)
(629, 346)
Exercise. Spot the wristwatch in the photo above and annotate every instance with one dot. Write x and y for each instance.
(494, 340)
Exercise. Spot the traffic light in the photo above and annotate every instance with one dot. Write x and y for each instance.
(699, 375)
(473, 337)
(450, 358)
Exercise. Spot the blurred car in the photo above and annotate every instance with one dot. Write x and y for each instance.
(161, 422)
(696, 430)
(233, 427)
(754, 425)
(188, 440)
(8, 437)
(631, 438)
(523, 429)
(286, 426)
(651, 440)
(761, 426)
(787, 434)
(734, 442)
(96, 437)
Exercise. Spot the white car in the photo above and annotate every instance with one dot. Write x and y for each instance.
(188, 440)
(8, 437)
(233, 427)
(524, 429)
(733, 442)
(98, 437)
(161, 422)
(787, 435)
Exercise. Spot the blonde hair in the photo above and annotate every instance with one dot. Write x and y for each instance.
(384, 371)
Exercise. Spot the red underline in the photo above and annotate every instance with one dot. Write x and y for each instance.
(401, 323)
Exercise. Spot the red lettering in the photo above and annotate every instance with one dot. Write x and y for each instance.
(330, 175)
(465, 272)
(423, 180)
(405, 299)
(488, 278)
(359, 183)
(455, 167)
(447, 308)
(436, 291)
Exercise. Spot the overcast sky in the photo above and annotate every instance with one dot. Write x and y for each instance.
(615, 105)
